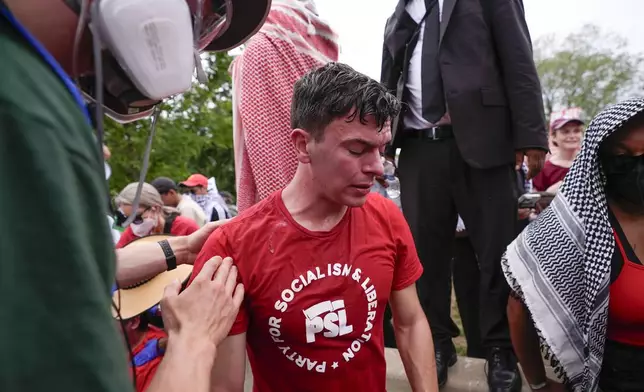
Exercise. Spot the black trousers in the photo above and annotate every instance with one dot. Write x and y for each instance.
(436, 186)
(466, 278)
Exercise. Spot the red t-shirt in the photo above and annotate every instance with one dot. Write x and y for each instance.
(548, 176)
(180, 226)
(145, 373)
(315, 301)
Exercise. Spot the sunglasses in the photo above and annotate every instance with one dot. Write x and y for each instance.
(121, 217)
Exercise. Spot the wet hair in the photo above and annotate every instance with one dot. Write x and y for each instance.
(334, 91)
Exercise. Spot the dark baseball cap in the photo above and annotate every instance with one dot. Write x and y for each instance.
(164, 184)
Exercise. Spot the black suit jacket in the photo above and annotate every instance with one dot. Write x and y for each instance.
(490, 80)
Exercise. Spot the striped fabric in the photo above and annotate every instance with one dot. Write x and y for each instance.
(560, 264)
(293, 41)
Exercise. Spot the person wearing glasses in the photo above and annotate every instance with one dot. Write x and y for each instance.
(152, 217)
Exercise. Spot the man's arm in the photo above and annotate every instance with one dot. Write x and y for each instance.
(229, 367)
(414, 339)
(142, 260)
(514, 50)
(229, 370)
(186, 366)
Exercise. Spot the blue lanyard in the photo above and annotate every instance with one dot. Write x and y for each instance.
(49, 60)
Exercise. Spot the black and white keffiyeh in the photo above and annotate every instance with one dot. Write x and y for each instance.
(560, 264)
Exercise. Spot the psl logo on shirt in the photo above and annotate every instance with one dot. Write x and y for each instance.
(327, 317)
(333, 324)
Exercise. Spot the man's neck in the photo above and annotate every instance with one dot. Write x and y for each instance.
(307, 207)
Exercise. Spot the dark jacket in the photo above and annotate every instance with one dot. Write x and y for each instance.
(489, 77)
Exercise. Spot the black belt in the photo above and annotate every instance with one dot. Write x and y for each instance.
(441, 132)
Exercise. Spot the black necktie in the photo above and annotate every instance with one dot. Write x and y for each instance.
(432, 82)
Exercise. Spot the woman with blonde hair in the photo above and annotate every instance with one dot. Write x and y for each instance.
(152, 217)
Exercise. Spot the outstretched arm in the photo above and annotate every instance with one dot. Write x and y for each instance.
(142, 260)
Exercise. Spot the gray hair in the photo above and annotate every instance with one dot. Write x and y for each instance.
(150, 197)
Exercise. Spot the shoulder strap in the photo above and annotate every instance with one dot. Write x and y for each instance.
(167, 228)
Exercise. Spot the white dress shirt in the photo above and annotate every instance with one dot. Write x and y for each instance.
(414, 116)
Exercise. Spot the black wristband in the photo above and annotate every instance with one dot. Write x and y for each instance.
(170, 258)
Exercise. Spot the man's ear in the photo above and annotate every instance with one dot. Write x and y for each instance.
(301, 142)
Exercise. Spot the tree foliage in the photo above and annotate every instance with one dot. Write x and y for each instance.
(589, 69)
(193, 135)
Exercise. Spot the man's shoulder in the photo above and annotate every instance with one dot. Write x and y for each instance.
(253, 219)
(378, 205)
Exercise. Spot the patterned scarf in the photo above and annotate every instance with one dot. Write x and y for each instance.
(560, 265)
(293, 41)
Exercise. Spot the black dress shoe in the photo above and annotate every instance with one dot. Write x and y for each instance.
(502, 371)
(445, 358)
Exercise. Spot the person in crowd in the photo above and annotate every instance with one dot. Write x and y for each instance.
(152, 216)
(59, 261)
(171, 197)
(136, 305)
(566, 135)
(576, 272)
(473, 111)
(293, 41)
(333, 254)
(204, 193)
(230, 202)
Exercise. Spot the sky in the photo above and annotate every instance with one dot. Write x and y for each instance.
(360, 24)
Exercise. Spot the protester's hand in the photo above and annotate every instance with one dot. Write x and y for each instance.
(536, 159)
(524, 213)
(206, 310)
(198, 238)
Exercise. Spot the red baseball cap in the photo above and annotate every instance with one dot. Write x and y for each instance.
(195, 180)
(562, 121)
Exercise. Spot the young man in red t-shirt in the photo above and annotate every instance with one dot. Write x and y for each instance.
(321, 258)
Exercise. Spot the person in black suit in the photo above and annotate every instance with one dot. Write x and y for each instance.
(474, 110)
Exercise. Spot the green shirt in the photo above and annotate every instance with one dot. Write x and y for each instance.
(57, 259)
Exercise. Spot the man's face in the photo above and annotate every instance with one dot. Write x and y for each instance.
(569, 136)
(198, 190)
(170, 198)
(346, 160)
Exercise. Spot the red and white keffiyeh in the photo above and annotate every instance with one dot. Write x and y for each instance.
(293, 41)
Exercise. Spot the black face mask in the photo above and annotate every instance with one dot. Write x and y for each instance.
(625, 179)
